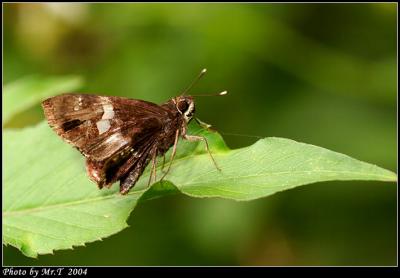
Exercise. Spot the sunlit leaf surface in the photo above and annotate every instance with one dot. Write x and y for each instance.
(26, 92)
(50, 204)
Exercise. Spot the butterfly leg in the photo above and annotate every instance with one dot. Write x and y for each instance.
(194, 138)
(173, 153)
(163, 163)
(153, 167)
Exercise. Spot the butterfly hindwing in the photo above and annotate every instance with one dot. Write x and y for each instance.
(106, 172)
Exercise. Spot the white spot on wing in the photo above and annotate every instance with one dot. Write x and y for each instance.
(108, 113)
(103, 126)
(116, 139)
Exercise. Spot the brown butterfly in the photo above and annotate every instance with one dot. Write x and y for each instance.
(119, 136)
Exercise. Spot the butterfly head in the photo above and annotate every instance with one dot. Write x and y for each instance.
(185, 106)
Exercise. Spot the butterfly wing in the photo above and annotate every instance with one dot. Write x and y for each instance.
(101, 127)
(119, 166)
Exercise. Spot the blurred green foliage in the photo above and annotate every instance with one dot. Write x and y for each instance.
(323, 74)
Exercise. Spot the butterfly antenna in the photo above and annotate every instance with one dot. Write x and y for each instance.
(194, 81)
(212, 95)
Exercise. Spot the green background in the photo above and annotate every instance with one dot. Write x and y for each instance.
(323, 74)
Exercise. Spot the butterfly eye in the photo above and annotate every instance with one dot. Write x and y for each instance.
(183, 106)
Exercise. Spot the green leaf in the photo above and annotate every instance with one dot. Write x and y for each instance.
(24, 93)
(50, 204)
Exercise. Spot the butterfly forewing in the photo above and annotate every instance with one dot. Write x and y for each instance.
(101, 126)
